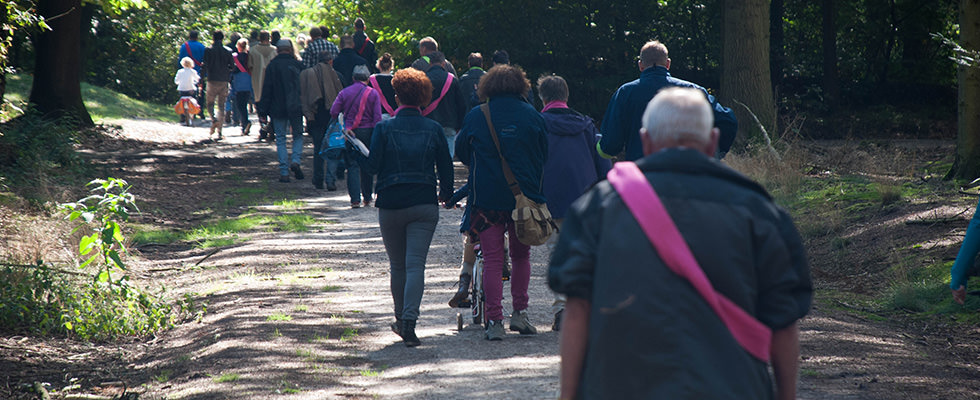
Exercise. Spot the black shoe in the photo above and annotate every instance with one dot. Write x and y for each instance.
(318, 185)
(248, 127)
(331, 187)
(296, 171)
(462, 292)
(284, 178)
(397, 326)
(408, 333)
(557, 325)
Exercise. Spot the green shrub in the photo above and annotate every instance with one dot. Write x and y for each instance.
(34, 151)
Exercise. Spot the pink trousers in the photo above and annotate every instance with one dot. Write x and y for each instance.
(492, 245)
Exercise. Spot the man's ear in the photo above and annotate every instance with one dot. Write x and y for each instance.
(648, 146)
(668, 64)
(711, 147)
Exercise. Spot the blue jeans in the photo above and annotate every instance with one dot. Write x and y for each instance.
(407, 234)
(281, 126)
(451, 139)
(959, 274)
(359, 182)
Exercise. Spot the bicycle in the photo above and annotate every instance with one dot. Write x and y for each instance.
(477, 302)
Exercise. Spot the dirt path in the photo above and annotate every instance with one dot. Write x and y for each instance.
(305, 315)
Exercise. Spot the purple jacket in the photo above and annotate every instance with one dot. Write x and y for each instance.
(573, 164)
(349, 101)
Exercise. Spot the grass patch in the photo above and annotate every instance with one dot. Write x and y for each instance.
(163, 376)
(348, 334)
(290, 205)
(279, 317)
(301, 308)
(102, 104)
(227, 378)
(332, 288)
(150, 235)
(295, 222)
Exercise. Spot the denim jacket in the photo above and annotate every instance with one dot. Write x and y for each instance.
(405, 149)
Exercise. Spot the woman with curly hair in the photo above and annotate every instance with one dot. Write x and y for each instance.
(524, 144)
(406, 153)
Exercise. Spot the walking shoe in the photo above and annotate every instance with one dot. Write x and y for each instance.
(462, 292)
(495, 330)
(355, 204)
(296, 171)
(284, 178)
(318, 185)
(556, 326)
(214, 125)
(367, 202)
(331, 187)
(408, 333)
(248, 127)
(521, 323)
(397, 326)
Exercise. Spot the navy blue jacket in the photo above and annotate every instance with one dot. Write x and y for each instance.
(344, 64)
(405, 149)
(523, 142)
(622, 122)
(452, 108)
(573, 163)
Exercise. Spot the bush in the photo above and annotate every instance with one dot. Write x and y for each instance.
(33, 151)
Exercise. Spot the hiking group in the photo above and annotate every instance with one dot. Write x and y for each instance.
(676, 277)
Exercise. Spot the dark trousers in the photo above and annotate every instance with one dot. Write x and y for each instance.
(241, 107)
(317, 128)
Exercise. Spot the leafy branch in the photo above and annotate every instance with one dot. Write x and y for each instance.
(961, 55)
(102, 212)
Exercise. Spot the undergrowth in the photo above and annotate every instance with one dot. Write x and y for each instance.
(99, 302)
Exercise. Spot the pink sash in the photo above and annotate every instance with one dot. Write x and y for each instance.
(445, 89)
(653, 218)
(234, 56)
(360, 109)
(376, 86)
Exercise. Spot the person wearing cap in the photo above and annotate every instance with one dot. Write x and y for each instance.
(281, 101)
(323, 86)
(361, 106)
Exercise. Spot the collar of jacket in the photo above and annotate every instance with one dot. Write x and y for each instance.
(655, 71)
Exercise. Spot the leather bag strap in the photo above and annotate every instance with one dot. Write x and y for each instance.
(515, 188)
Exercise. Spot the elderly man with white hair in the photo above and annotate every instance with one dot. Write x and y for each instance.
(684, 280)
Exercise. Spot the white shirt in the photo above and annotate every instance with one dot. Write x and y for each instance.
(186, 79)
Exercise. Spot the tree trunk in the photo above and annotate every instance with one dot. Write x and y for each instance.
(57, 91)
(831, 80)
(967, 164)
(745, 68)
(777, 43)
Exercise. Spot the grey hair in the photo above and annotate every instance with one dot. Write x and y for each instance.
(361, 73)
(677, 113)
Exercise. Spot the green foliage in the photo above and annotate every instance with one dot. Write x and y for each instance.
(42, 299)
(35, 152)
(105, 210)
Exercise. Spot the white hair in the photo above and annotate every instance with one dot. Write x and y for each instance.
(677, 113)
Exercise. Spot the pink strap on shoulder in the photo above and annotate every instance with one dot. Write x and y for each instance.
(234, 56)
(653, 218)
(445, 89)
(361, 108)
(384, 104)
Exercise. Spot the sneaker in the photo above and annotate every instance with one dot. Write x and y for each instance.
(521, 323)
(367, 202)
(296, 171)
(318, 185)
(214, 125)
(248, 127)
(495, 330)
(556, 326)
(331, 187)
(284, 178)
(397, 326)
(355, 204)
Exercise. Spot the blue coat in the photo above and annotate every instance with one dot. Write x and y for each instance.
(408, 149)
(573, 163)
(523, 142)
(622, 122)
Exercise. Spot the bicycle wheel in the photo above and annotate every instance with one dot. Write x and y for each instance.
(477, 292)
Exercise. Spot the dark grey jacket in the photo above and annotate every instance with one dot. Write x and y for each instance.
(651, 335)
